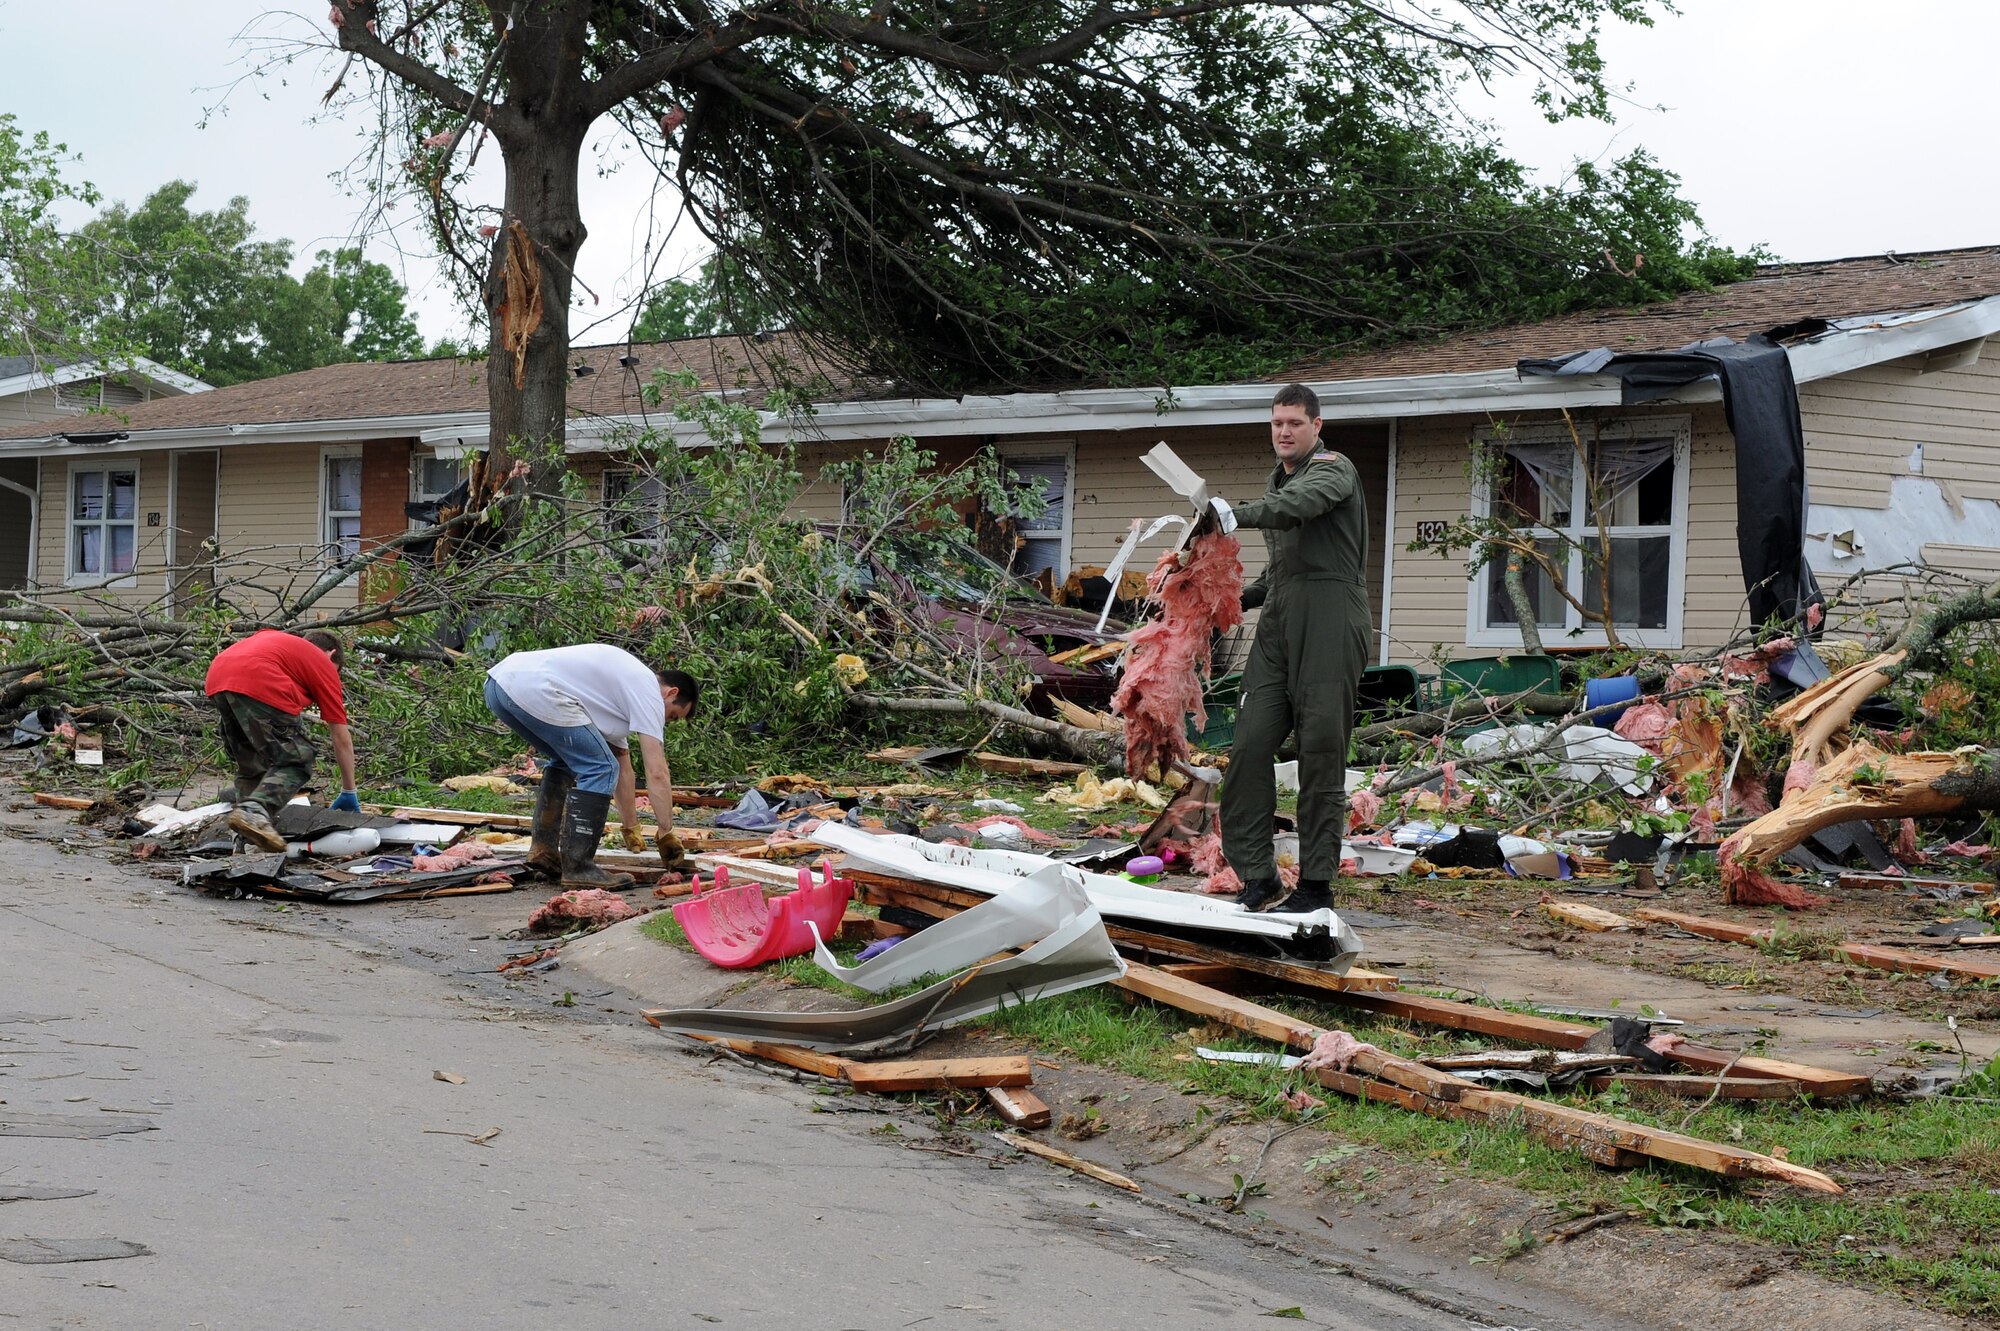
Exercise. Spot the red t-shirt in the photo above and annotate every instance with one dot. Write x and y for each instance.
(280, 669)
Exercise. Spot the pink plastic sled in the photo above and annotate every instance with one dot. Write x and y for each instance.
(737, 927)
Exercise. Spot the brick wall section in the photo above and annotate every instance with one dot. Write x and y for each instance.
(385, 488)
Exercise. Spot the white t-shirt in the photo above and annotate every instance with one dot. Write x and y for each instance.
(590, 684)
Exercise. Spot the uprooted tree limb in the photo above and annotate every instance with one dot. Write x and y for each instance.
(1827, 784)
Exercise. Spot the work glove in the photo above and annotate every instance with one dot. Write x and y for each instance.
(349, 802)
(633, 839)
(673, 855)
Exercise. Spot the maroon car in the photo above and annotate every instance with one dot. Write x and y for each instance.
(969, 597)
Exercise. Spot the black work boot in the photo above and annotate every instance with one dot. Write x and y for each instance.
(1311, 894)
(545, 847)
(583, 828)
(1261, 894)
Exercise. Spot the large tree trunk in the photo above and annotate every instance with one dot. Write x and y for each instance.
(541, 131)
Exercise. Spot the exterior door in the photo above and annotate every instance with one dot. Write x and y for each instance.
(192, 556)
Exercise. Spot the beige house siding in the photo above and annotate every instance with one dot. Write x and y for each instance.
(268, 516)
(36, 405)
(1433, 484)
(147, 581)
(1862, 429)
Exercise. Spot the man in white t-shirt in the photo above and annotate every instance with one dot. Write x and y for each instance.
(579, 707)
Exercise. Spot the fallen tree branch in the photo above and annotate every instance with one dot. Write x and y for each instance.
(1092, 746)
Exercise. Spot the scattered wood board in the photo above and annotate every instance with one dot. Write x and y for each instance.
(1699, 1088)
(805, 1060)
(1597, 1136)
(1592, 918)
(1066, 1160)
(1861, 954)
(49, 801)
(937, 1074)
(1001, 764)
(755, 871)
(1018, 1108)
(1529, 1029)
(939, 901)
(1905, 883)
(1976, 940)
(463, 818)
(1078, 657)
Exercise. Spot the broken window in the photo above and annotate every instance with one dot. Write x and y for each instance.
(1043, 544)
(340, 506)
(1605, 513)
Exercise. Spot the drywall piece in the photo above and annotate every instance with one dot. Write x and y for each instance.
(992, 872)
(1031, 912)
(1075, 956)
(193, 817)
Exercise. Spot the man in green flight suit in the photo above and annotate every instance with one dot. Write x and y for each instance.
(1306, 660)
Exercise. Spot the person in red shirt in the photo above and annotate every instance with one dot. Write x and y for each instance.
(260, 685)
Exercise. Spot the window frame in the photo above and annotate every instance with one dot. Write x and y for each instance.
(1027, 450)
(1574, 631)
(419, 495)
(74, 577)
(328, 542)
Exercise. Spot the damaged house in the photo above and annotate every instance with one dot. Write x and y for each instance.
(1897, 426)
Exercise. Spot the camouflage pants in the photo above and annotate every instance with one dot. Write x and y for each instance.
(273, 756)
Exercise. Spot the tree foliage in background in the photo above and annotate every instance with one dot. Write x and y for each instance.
(198, 292)
(719, 300)
(40, 280)
(986, 193)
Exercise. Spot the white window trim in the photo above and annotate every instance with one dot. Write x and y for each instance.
(327, 541)
(1682, 430)
(71, 577)
(1043, 448)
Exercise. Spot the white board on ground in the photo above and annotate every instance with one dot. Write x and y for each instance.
(1041, 905)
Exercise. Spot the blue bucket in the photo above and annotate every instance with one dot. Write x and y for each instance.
(1603, 692)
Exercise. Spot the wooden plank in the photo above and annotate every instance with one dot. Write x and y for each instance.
(464, 818)
(1976, 940)
(1001, 764)
(49, 801)
(1698, 1088)
(1078, 657)
(1592, 918)
(1066, 1160)
(1861, 954)
(1905, 883)
(1723, 931)
(1529, 1029)
(932, 899)
(806, 1060)
(1254, 1018)
(1019, 1108)
(1561, 1123)
(1229, 979)
(742, 870)
(937, 1074)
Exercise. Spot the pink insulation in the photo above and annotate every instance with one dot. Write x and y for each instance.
(1336, 1049)
(463, 855)
(1167, 664)
(583, 905)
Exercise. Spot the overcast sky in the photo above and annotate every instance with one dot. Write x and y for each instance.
(1820, 128)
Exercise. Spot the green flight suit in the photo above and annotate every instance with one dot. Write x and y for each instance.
(1305, 664)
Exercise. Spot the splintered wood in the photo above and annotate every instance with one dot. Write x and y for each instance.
(1413, 1086)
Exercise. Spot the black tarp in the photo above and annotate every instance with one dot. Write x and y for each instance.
(1761, 401)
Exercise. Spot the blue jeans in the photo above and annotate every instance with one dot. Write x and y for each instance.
(580, 749)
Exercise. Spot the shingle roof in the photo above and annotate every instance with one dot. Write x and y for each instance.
(12, 367)
(1779, 294)
(370, 390)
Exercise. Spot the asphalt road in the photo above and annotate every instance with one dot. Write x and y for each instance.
(306, 1169)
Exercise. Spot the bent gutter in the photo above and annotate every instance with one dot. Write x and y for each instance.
(1853, 343)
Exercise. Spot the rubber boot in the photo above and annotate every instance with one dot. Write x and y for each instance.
(583, 828)
(1261, 894)
(1312, 894)
(545, 848)
(250, 822)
